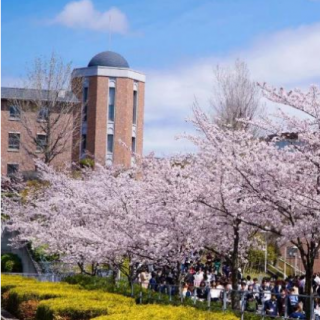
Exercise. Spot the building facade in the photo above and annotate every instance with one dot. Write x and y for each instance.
(112, 99)
(24, 134)
(108, 120)
(292, 258)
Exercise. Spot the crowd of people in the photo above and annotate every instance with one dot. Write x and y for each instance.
(211, 281)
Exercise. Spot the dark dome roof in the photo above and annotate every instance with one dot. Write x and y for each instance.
(108, 59)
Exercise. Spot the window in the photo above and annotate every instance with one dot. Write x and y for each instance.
(14, 141)
(135, 104)
(85, 104)
(110, 143)
(85, 94)
(12, 168)
(43, 114)
(85, 113)
(292, 252)
(133, 145)
(14, 112)
(83, 143)
(41, 142)
(112, 92)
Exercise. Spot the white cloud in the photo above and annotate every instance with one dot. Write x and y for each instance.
(162, 141)
(82, 14)
(287, 58)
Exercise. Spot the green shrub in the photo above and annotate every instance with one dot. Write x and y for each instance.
(256, 258)
(87, 162)
(10, 262)
(40, 254)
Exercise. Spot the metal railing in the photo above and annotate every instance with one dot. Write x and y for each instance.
(43, 277)
(233, 300)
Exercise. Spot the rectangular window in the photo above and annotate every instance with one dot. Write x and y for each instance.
(85, 104)
(85, 94)
(83, 143)
(85, 113)
(14, 141)
(133, 145)
(43, 114)
(12, 168)
(112, 92)
(14, 112)
(110, 143)
(41, 142)
(135, 105)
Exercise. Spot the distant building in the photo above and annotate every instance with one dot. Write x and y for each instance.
(111, 106)
(291, 256)
(16, 141)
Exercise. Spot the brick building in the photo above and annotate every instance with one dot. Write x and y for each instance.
(23, 134)
(291, 256)
(113, 108)
(108, 121)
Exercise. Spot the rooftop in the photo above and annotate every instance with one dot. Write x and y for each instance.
(109, 59)
(37, 94)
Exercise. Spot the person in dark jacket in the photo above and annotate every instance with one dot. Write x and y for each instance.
(282, 303)
(189, 277)
(202, 291)
(271, 306)
(153, 283)
(297, 313)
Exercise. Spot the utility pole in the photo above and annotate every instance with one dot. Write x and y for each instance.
(266, 254)
(285, 262)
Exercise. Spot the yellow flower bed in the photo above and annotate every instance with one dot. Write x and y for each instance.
(52, 301)
(158, 312)
(83, 308)
(8, 281)
(60, 299)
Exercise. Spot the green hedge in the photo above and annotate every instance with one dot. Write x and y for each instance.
(32, 300)
(49, 301)
(29, 299)
(150, 297)
(10, 262)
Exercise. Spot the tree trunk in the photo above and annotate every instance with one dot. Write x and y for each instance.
(94, 268)
(81, 267)
(234, 266)
(308, 292)
(308, 263)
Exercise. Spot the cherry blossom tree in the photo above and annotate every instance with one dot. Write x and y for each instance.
(284, 174)
(54, 215)
(111, 215)
(220, 190)
(172, 210)
(270, 183)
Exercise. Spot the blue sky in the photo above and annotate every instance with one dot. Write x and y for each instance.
(176, 43)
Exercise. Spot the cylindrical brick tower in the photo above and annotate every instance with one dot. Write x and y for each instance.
(111, 128)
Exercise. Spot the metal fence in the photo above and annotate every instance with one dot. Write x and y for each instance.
(234, 300)
(43, 277)
(207, 298)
